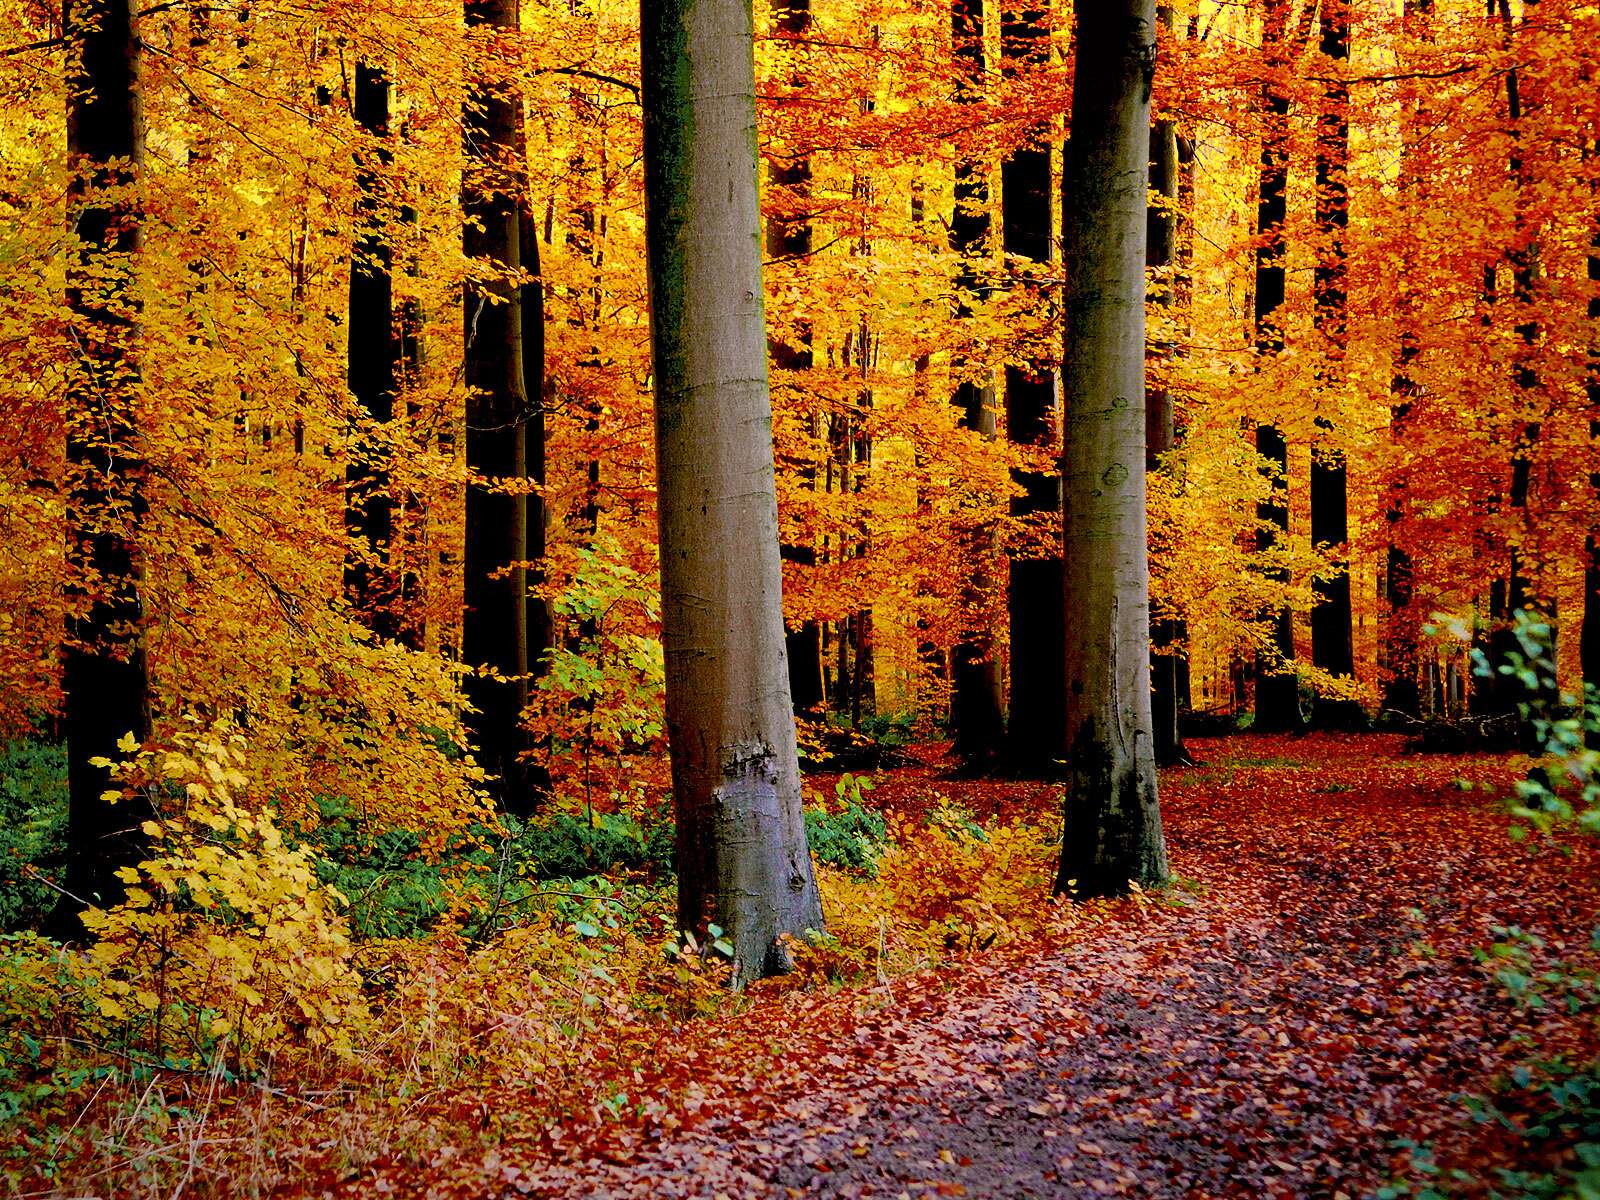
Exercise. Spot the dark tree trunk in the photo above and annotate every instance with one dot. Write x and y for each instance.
(103, 667)
(1277, 685)
(1589, 645)
(1160, 428)
(1112, 820)
(370, 583)
(1332, 647)
(1402, 688)
(498, 621)
(1521, 588)
(742, 859)
(977, 699)
(791, 239)
(1037, 711)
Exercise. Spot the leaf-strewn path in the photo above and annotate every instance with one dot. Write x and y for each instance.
(1315, 999)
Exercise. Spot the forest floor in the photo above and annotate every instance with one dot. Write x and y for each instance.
(1306, 996)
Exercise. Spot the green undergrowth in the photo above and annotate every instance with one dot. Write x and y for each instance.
(33, 830)
(394, 889)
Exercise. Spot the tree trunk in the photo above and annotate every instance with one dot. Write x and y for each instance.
(1277, 685)
(504, 430)
(741, 848)
(369, 582)
(1161, 233)
(1037, 712)
(977, 691)
(792, 240)
(1113, 821)
(1589, 637)
(1523, 585)
(1332, 645)
(103, 667)
(1402, 689)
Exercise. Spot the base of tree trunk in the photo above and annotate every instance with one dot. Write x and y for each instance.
(1339, 716)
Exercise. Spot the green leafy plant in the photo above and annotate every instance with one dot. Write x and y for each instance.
(33, 830)
(847, 834)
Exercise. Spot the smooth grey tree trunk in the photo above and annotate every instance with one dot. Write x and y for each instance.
(104, 680)
(742, 858)
(1113, 821)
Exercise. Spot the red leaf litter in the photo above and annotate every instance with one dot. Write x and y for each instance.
(1305, 996)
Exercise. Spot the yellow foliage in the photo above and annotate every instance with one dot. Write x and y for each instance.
(225, 931)
(943, 886)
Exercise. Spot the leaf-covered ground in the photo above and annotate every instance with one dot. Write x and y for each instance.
(1305, 997)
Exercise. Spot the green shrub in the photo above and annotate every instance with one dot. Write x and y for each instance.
(568, 846)
(393, 890)
(848, 836)
(33, 830)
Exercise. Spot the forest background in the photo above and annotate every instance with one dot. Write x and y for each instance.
(1372, 327)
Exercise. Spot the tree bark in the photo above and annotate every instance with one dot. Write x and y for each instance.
(1277, 685)
(1589, 636)
(504, 431)
(1161, 233)
(977, 688)
(103, 666)
(1402, 688)
(1332, 644)
(791, 239)
(369, 581)
(742, 859)
(1113, 820)
(1037, 710)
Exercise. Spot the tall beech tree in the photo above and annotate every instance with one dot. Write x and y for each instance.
(977, 689)
(1332, 647)
(742, 859)
(370, 583)
(1277, 685)
(791, 238)
(1160, 426)
(1036, 712)
(503, 636)
(1113, 819)
(104, 679)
